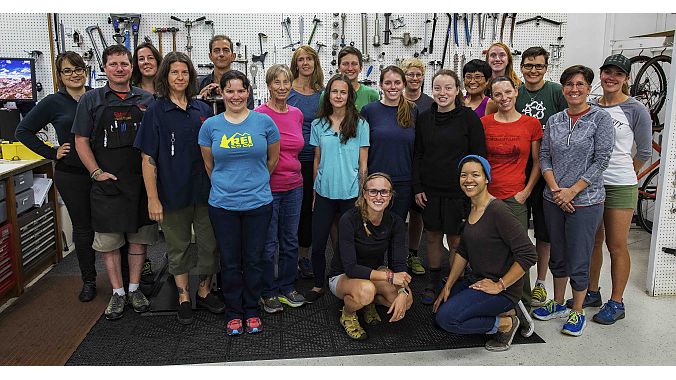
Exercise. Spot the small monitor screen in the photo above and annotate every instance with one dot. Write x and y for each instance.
(17, 79)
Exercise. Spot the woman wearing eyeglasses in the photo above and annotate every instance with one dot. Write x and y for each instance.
(70, 176)
(476, 74)
(358, 275)
(575, 151)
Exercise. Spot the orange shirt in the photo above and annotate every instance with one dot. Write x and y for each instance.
(508, 146)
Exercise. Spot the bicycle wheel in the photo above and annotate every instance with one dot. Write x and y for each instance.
(636, 63)
(650, 85)
(645, 209)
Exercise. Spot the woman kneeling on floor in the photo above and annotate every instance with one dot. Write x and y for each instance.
(357, 275)
(498, 251)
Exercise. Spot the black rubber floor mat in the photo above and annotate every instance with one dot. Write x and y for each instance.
(309, 331)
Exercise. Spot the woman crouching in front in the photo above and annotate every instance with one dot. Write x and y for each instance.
(357, 275)
(499, 252)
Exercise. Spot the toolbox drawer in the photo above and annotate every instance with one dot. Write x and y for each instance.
(24, 200)
(23, 181)
(3, 189)
(3, 211)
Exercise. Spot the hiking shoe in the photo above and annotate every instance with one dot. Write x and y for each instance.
(610, 313)
(501, 341)
(428, 296)
(271, 305)
(575, 323)
(591, 299)
(254, 325)
(210, 302)
(234, 327)
(88, 291)
(371, 316)
(292, 298)
(147, 274)
(184, 313)
(527, 325)
(352, 326)
(115, 307)
(313, 296)
(415, 264)
(538, 296)
(550, 310)
(305, 268)
(138, 301)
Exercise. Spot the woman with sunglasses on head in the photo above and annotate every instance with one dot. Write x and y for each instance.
(341, 141)
(306, 89)
(444, 134)
(575, 151)
(498, 251)
(633, 125)
(70, 176)
(145, 63)
(476, 74)
(358, 275)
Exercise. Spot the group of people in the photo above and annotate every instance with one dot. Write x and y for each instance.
(340, 161)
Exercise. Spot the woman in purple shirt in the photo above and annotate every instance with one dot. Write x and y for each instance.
(476, 74)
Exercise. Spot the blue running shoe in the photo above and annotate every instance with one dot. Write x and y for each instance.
(610, 313)
(550, 310)
(575, 323)
(591, 299)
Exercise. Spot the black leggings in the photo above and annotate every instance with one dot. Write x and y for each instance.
(305, 224)
(324, 214)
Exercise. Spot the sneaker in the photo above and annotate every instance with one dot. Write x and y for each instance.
(550, 310)
(147, 274)
(371, 316)
(184, 313)
(271, 305)
(610, 313)
(527, 325)
(501, 341)
(352, 326)
(254, 325)
(292, 298)
(88, 291)
(210, 302)
(313, 296)
(234, 327)
(138, 301)
(575, 323)
(428, 296)
(415, 264)
(115, 307)
(591, 299)
(305, 268)
(538, 296)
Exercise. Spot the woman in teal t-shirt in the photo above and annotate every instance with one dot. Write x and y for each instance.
(341, 140)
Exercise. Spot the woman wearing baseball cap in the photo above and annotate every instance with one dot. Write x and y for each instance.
(632, 125)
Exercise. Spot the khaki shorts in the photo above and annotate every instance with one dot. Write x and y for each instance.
(621, 196)
(110, 241)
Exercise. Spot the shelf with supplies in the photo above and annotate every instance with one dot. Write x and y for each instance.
(30, 233)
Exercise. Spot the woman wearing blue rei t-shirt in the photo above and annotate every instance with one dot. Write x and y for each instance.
(341, 140)
(240, 149)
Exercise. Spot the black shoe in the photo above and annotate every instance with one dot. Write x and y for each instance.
(313, 296)
(210, 302)
(185, 313)
(88, 291)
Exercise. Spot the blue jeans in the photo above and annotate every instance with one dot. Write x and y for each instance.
(469, 311)
(282, 235)
(571, 236)
(238, 235)
(323, 214)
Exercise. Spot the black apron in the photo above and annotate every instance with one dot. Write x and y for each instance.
(121, 205)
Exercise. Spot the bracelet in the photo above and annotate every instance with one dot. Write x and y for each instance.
(502, 284)
(403, 290)
(390, 277)
(96, 173)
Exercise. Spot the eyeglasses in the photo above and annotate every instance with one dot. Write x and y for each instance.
(578, 84)
(69, 72)
(414, 75)
(530, 66)
(385, 193)
(476, 78)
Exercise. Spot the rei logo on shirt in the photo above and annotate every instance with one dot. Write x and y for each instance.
(238, 140)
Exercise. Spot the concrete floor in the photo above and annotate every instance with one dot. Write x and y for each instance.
(647, 336)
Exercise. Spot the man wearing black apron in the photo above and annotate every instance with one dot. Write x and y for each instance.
(105, 127)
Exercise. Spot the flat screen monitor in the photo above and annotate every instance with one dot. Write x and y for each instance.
(17, 80)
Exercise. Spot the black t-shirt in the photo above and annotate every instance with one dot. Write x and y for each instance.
(359, 254)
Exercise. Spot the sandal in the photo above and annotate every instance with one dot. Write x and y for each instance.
(352, 326)
(371, 316)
